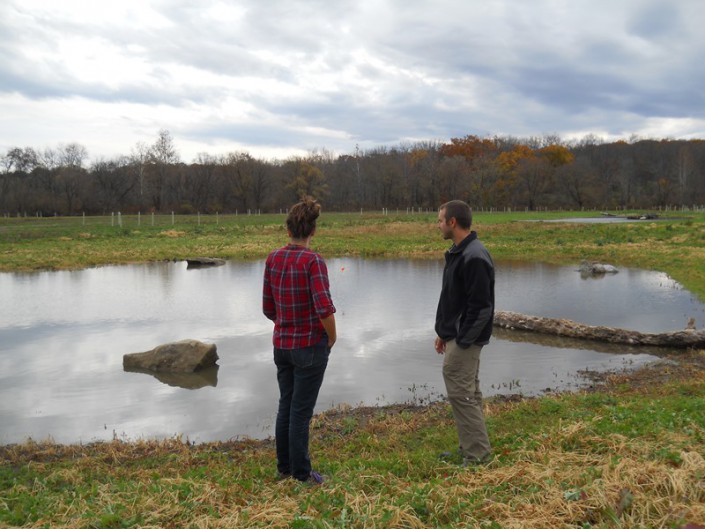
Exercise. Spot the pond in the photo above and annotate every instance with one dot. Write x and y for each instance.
(63, 335)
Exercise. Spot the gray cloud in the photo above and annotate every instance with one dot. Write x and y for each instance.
(295, 75)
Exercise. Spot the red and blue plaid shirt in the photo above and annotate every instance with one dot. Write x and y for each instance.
(296, 296)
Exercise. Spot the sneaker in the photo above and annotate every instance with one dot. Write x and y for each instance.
(314, 478)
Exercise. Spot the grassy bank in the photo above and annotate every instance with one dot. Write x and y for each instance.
(627, 454)
(675, 246)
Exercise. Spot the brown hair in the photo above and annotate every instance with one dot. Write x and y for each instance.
(460, 210)
(301, 221)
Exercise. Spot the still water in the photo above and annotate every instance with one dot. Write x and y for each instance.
(63, 335)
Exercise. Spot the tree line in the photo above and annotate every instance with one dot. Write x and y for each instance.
(488, 173)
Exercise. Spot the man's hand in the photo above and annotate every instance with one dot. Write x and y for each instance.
(440, 345)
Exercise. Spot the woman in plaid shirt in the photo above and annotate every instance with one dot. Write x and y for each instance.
(296, 297)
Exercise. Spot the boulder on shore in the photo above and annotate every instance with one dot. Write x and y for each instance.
(186, 356)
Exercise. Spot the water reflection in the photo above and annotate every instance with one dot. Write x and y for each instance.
(564, 342)
(63, 335)
(196, 380)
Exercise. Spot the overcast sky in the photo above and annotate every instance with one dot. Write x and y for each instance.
(278, 78)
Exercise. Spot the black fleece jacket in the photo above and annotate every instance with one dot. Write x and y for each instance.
(466, 306)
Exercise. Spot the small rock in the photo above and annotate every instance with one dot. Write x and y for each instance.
(596, 268)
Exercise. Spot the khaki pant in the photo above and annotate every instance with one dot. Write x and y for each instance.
(460, 373)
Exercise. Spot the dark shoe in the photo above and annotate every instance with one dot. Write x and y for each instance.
(450, 456)
(283, 475)
(471, 462)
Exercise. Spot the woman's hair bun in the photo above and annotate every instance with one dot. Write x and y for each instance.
(311, 205)
(301, 221)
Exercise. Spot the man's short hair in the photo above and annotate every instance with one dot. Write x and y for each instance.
(460, 210)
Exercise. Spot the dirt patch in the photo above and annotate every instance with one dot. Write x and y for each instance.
(675, 367)
(172, 233)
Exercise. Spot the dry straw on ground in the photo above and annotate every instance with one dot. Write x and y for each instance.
(565, 476)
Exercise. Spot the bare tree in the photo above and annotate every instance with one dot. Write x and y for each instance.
(139, 158)
(237, 173)
(114, 182)
(199, 181)
(577, 182)
(261, 182)
(20, 160)
(162, 155)
(72, 155)
(535, 175)
(70, 176)
(17, 163)
(685, 168)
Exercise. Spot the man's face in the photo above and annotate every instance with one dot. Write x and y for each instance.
(445, 227)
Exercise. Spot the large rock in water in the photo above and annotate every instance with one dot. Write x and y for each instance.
(185, 356)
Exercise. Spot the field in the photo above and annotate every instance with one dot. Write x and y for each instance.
(627, 453)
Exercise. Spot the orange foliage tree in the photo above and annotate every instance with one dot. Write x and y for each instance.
(557, 155)
(469, 147)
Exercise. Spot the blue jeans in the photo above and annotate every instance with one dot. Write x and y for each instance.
(300, 375)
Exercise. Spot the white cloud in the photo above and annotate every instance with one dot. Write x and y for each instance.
(283, 77)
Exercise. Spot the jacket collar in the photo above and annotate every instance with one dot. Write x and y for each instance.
(463, 244)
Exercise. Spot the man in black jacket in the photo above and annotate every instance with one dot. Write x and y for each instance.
(464, 325)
